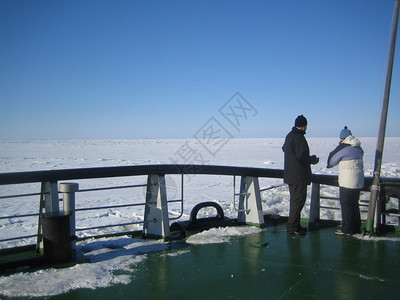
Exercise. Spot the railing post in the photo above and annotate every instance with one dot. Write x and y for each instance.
(250, 208)
(398, 207)
(49, 205)
(51, 197)
(69, 190)
(314, 217)
(156, 221)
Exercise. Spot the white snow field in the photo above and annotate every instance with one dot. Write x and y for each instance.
(34, 155)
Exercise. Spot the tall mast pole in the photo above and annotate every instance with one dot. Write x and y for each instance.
(382, 128)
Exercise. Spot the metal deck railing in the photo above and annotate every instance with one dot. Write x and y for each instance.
(389, 187)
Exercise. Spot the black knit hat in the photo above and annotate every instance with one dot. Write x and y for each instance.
(300, 121)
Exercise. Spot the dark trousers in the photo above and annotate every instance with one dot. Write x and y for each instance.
(351, 220)
(298, 195)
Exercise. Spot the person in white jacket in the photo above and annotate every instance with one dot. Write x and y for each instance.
(348, 155)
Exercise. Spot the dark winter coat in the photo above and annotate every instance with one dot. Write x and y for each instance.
(297, 168)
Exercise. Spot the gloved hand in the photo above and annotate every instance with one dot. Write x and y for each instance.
(314, 159)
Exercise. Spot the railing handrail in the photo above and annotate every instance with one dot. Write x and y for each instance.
(120, 171)
(391, 186)
(105, 172)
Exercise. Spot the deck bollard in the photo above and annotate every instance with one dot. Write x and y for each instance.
(314, 216)
(57, 238)
(69, 190)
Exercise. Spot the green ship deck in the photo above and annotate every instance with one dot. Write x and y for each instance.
(267, 265)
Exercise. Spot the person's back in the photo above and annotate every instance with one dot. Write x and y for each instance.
(296, 161)
(349, 157)
(297, 172)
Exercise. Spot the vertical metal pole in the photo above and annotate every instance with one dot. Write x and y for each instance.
(41, 210)
(382, 128)
(398, 207)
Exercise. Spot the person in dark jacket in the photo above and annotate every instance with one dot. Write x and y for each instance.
(297, 172)
(348, 155)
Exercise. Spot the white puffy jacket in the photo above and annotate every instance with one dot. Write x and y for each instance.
(348, 155)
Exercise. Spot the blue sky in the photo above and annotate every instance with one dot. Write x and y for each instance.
(164, 69)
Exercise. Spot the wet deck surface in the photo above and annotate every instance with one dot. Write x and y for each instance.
(319, 265)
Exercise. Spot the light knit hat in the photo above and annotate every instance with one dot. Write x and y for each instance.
(344, 133)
